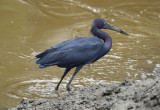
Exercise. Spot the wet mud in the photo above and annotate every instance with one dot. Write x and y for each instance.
(129, 95)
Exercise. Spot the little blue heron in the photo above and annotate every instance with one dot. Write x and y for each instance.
(79, 51)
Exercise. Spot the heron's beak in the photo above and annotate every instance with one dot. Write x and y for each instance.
(109, 26)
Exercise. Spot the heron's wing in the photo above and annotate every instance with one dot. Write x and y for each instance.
(45, 52)
(62, 46)
(80, 51)
(82, 54)
(51, 57)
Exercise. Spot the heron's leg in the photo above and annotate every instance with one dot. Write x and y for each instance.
(64, 74)
(76, 71)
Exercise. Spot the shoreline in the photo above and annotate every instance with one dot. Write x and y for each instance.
(128, 95)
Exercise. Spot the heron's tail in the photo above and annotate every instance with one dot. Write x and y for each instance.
(42, 66)
(36, 62)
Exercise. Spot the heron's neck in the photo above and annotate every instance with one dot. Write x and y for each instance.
(102, 35)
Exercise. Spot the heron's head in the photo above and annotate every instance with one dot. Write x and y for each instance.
(102, 24)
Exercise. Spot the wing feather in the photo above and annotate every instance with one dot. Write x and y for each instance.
(73, 52)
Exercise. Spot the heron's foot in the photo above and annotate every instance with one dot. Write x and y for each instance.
(56, 89)
(68, 88)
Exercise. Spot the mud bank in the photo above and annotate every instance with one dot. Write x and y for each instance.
(129, 95)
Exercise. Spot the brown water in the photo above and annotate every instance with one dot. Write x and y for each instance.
(31, 26)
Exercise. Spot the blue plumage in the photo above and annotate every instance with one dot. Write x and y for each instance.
(72, 53)
(79, 51)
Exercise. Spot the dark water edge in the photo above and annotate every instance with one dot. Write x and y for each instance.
(129, 95)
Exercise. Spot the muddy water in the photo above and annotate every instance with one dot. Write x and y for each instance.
(28, 27)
